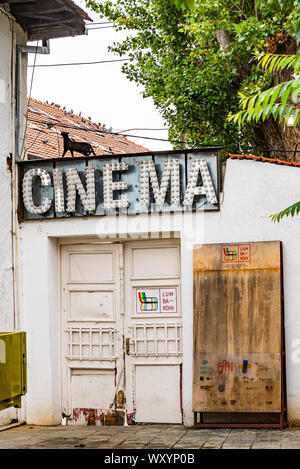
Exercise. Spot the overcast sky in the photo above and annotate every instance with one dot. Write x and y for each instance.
(100, 91)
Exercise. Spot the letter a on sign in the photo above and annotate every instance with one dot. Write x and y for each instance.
(206, 189)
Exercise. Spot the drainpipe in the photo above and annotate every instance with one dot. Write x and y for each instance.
(24, 49)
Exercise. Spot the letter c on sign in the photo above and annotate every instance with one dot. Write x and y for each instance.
(27, 191)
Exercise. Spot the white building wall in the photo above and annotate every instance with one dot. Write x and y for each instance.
(252, 191)
(6, 135)
(10, 35)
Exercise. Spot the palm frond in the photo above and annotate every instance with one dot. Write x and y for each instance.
(277, 62)
(289, 211)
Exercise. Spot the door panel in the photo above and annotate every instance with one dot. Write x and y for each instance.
(92, 325)
(85, 385)
(153, 331)
(155, 262)
(84, 267)
(91, 304)
(156, 400)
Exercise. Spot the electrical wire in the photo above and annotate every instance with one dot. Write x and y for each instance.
(128, 130)
(281, 151)
(108, 133)
(72, 127)
(31, 145)
(84, 129)
(12, 18)
(30, 90)
(99, 27)
(101, 22)
(66, 126)
(80, 63)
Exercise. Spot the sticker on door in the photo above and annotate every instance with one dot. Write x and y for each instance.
(156, 300)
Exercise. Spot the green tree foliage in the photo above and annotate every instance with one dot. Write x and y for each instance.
(274, 101)
(192, 62)
(278, 101)
(183, 4)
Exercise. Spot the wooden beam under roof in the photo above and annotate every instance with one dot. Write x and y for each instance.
(54, 33)
(17, 1)
(75, 8)
(47, 19)
(45, 25)
(31, 21)
(31, 11)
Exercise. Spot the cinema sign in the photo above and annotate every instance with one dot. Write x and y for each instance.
(166, 181)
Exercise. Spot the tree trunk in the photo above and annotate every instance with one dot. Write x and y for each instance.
(275, 139)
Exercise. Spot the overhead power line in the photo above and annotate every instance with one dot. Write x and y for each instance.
(84, 129)
(80, 63)
(99, 27)
(101, 22)
(138, 128)
(281, 151)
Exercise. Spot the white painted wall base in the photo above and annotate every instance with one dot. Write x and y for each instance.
(7, 415)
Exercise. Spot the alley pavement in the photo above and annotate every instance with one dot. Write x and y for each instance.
(146, 437)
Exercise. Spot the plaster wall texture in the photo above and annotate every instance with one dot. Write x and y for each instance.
(10, 35)
(252, 191)
(6, 134)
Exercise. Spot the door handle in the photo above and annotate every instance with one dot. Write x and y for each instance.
(127, 346)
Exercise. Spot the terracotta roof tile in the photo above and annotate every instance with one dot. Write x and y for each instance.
(263, 159)
(46, 121)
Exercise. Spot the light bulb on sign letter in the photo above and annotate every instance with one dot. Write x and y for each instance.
(207, 187)
(148, 172)
(110, 185)
(74, 184)
(27, 191)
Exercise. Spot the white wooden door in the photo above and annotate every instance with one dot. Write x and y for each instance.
(153, 331)
(92, 331)
(99, 310)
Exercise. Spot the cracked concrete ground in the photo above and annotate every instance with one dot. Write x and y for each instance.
(146, 437)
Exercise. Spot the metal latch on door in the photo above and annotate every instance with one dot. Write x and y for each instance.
(127, 341)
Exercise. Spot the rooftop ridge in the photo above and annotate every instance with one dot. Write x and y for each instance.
(263, 159)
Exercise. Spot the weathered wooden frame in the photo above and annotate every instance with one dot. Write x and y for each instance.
(199, 415)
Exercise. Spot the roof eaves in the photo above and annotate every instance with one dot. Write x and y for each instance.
(48, 19)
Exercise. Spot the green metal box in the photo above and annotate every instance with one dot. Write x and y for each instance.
(13, 383)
